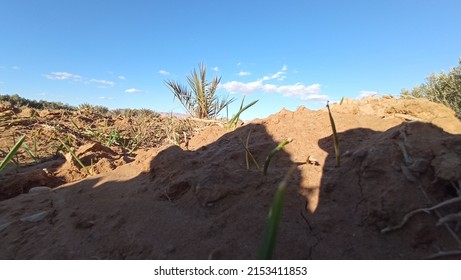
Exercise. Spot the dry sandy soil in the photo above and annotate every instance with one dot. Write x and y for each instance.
(199, 201)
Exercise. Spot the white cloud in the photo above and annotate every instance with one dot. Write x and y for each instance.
(238, 64)
(243, 73)
(133, 90)
(103, 82)
(297, 90)
(122, 77)
(164, 72)
(105, 98)
(15, 67)
(280, 75)
(63, 76)
(368, 93)
(216, 69)
(302, 92)
(239, 87)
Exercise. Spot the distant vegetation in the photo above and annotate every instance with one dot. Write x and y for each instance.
(18, 101)
(442, 88)
(200, 98)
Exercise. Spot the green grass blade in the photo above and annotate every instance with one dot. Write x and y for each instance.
(273, 152)
(12, 153)
(75, 157)
(248, 153)
(233, 122)
(33, 155)
(335, 137)
(270, 232)
(73, 122)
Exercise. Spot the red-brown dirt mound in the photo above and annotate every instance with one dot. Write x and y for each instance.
(200, 201)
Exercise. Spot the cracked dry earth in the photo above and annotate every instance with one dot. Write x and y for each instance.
(201, 202)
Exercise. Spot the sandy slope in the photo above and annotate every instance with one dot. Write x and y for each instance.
(201, 202)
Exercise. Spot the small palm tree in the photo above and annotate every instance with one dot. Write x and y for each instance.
(200, 100)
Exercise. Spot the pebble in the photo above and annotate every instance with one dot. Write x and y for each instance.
(40, 189)
(37, 217)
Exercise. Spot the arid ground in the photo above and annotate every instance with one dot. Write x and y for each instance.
(181, 189)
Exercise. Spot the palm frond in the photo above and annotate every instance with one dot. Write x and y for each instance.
(200, 100)
(183, 95)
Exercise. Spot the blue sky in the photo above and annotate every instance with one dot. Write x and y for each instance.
(283, 53)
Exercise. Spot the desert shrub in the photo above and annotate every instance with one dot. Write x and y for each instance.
(145, 113)
(18, 101)
(443, 88)
(101, 110)
(200, 100)
(116, 112)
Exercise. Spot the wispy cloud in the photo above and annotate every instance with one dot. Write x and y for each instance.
(297, 90)
(164, 72)
(103, 82)
(133, 90)
(105, 97)
(15, 67)
(216, 69)
(367, 93)
(63, 76)
(121, 77)
(244, 73)
(280, 75)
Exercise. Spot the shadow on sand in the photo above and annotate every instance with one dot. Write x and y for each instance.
(205, 204)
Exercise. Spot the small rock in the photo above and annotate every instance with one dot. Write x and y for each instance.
(312, 161)
(84, 224)
(40, 189)
(447, 166)
(37, 217)
(170, 248)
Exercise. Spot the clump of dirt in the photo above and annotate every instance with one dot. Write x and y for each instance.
(203, 200)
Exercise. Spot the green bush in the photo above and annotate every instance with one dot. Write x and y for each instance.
(442, 88)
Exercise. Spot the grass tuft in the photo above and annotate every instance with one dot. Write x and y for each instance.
(12, 153)
(232, 123)
(273, 152)
(248, 153)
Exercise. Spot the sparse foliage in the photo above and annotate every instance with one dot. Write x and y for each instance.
(442, 88)
(200, 99)
(18, 101)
